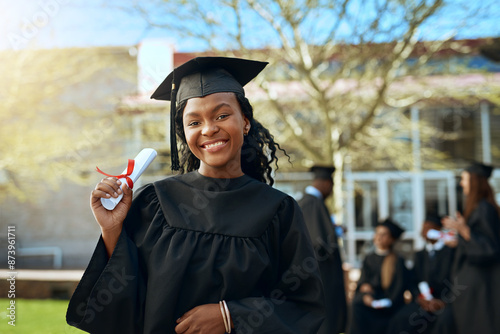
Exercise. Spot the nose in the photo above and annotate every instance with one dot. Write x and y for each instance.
(209, 129)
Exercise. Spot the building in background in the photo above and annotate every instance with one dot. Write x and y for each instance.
(61, 220)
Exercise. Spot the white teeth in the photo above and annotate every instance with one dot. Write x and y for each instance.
(214, 144)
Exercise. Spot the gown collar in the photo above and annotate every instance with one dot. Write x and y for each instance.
(214, 184)
(314, 192)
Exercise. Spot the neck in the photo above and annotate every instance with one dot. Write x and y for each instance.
(380, 251)
(220, 173)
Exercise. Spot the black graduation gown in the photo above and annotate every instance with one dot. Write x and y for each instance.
(190, 240)
(476, 274)
(436, 271)
(367, 320)
(325, 242)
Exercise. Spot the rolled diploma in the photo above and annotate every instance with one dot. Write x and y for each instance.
(434, 234)
(382, 303)
(142, 162)
(425, 290)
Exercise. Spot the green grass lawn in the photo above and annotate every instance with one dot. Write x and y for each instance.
(36, 316)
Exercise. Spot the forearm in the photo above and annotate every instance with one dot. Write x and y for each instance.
(464, 231)
(110, 238)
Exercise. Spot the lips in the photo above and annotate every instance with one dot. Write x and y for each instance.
(214, 145)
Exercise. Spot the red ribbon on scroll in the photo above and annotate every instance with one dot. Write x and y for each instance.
(130, 169)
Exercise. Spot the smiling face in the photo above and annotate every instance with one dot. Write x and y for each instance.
(214, 126)
(383, 239)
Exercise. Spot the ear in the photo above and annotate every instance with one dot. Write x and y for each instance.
(246, 127)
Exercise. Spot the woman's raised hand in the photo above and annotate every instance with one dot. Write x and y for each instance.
(110, 221)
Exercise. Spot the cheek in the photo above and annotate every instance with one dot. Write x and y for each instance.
(190, 138)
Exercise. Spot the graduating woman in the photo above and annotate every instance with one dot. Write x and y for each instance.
(384, 278)
(212, 250)
(475, 298)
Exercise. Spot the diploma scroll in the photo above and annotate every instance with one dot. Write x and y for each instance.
(382, 303)
(425, 290)
(445, 236)
(142, 162)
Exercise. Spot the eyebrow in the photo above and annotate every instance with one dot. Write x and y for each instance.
(214, 110)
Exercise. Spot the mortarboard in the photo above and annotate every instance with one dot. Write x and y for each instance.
(323, 172)
(394, 228)
(480, 169)
(200, 77)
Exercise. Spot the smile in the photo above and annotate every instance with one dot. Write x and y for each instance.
(214, 144)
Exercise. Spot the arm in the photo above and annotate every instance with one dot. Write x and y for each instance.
(111, 222)
(114, 284)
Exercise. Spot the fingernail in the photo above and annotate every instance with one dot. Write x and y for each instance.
(119, 182)
(115, 194)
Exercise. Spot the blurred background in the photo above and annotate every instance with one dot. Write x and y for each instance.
(398, 95)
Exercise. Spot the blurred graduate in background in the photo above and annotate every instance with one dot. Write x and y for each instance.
(381, 286)
(325, 241)
(430, 311)
(476, 270)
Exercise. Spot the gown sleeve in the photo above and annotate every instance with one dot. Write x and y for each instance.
(483, 248)
(115, 288)
(295, 302)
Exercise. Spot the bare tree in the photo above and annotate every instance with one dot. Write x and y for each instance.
(336, 88)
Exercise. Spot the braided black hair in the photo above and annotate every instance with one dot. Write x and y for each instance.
(258, 153)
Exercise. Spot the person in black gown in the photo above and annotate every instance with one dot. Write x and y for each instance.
(325, 241)
(476, 270)
(381, 286)
(432, 265)
(213, 244)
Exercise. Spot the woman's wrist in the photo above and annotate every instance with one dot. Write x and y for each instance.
(464, 231)
(226, 316)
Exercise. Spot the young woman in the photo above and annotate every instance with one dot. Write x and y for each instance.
(212, 250)
(384, 278)
(476, 272)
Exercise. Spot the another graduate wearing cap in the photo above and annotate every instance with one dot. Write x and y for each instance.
(215, 249)
(325, 242)
(476, 270)
(381, 286)
(429, 311)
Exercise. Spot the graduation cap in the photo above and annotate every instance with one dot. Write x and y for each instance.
(323, 172)
(394, 228)
(200, 77)
(480, 169)
(434, 220)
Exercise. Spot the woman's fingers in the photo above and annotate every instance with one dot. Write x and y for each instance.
(108, 187)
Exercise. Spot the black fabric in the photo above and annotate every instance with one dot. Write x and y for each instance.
(436, 271)
(190, 240)
(365, 319)
(476, 274)
(325, 242)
